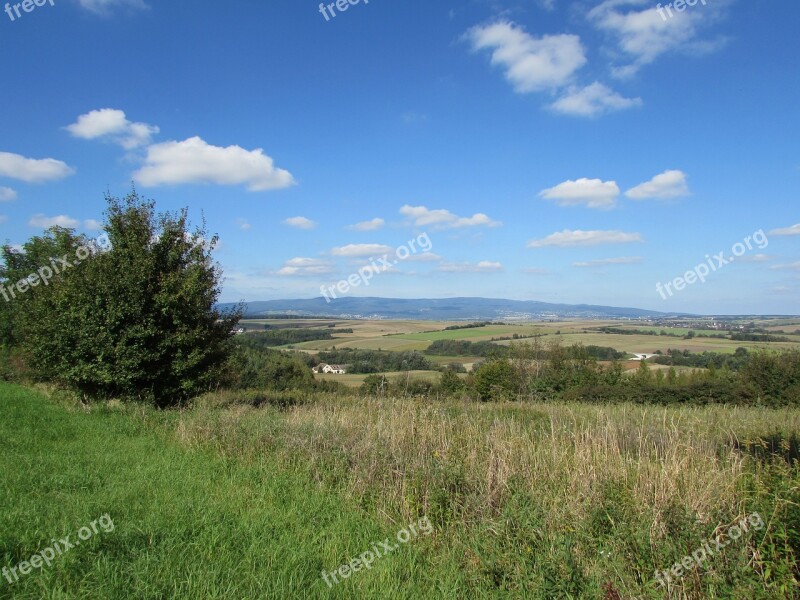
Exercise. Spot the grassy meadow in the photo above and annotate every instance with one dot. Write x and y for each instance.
(243, 495)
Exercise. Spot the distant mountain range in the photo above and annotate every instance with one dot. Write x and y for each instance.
(441, 309)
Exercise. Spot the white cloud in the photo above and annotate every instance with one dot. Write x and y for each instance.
(669, 184)
(484, 266)
(102, 7)
(40, 220)
(602, 262)
(195, 161)
(300, 223)
(569, 238)
(422, 216)
(3, 218)
(92, 225)
(593, 100)
(644, 35)
(754, 258)
(592, 193)
(305, 267)
(112, 125)
(371, 225)
(531, 64)
(795, 266)
(7, 194)
(243, 224)
(32, 170)
(793, 230)
(361, 250)
(424, 257)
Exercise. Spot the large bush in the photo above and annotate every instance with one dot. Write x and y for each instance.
(138, 321)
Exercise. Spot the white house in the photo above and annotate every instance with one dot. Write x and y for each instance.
(326, 368)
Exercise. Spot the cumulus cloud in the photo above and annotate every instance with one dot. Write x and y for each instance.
(195, 161)
(592, 193)
(793, 230)
(40, 220)
(7, 194)
(243, 224)
(602, 262)
(422, 216)
(112, 125)
(572, 238)
(33, 170)
(669, 184)
(305, 267)
(592, 101)
(642, 34)
(300, 223)
(531, 64)
(484, 266)
(361, 250)
(371, 225)
(92, 225)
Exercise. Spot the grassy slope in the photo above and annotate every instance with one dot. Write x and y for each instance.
(188, 524)
(529, 500)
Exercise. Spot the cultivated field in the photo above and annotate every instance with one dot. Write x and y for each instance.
(417, 335)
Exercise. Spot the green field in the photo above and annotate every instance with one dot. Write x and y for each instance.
(402, 336)
(476, 333)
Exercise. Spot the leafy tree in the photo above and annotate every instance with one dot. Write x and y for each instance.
(496, 380)
(450, 383)
(138, 321)
(375, 385)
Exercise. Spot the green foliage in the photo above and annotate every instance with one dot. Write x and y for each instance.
(375, 385)
(376, 361)
(281, 337)
(465, 348)
(775, 376)
(450, 383)
(257, 368)
(497, 380)
(136, 322)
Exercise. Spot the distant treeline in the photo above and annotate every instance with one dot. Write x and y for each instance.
(488, 349)
(468, 326)
(758, 337)
(705, 360)
(464, 348)
(282, 337)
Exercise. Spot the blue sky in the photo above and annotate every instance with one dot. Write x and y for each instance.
(577, 152)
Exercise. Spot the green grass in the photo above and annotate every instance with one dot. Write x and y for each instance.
(528, 500)
(188, 523)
